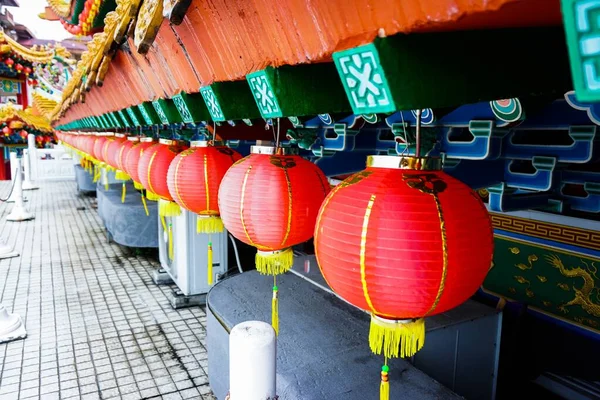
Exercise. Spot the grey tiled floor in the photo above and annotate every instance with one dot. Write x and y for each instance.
(98, 327)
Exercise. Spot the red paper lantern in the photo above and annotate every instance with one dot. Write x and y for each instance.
(194, 178)
(133, 159)
(124, 151)
(403, 240)
(153, 169)
(112, 149)
(97, 151)
(270, 200)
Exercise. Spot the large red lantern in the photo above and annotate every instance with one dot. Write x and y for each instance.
(270, 200)
(194, 178)
(403, 240)
(153, 169)
(133, 159)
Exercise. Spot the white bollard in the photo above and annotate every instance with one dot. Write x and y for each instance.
(6, 252)
(13, 175)
(11, 326)
(27, 183)
(19, 213)
(252, 361)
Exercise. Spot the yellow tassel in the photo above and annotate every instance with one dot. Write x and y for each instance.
(274, 262)
(384, 387)
(121, 176)
(170, 242)
(168, 208)
(209, 224)
(396, 338)
(163, 221)
(275, 307)
(152, 196)
(209, 265)
(138, 186)
(123, 193)
(145, 206)
(96, 174)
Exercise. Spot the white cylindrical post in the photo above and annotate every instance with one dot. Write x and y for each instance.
(252, 361)
(29, 162)
(11, 326)
(19, 213)
(27, 183)
(13, 175)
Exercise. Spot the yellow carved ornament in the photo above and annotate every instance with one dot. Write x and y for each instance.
(148, 23)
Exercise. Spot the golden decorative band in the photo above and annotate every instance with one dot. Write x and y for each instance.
(405, 162)
(558, 233)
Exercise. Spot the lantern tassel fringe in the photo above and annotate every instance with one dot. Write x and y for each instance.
(396, 338)
(274, 262)
(275, 310)
(123, 192)
(171, 253)
(384, 387)
(121, 176)
(209, 264)
(145, 206)
(209, 224)
(152, 196)
(168, 208)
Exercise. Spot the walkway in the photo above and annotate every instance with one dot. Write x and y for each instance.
(98, 327)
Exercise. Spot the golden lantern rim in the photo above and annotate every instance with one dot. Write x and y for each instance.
(274, 151)
(133, 138)
(146, 139)
(206, 143)
(120, 135)
(405, 162)
(168, 142)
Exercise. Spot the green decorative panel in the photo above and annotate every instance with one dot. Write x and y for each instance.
(125, 118)
(212, 103)
(264, 95)
(295, 91)
(149, 113)
(450, 69)
(364, 80)
(191, 107)
(9, 86)
(227, 101)
(115, 120)
(582, 28)
(561, 283)
(134, 115)
(104, 122)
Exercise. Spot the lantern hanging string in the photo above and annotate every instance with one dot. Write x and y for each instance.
(278, 131)
(418, 135)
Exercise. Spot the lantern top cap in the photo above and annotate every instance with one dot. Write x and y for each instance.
(168, 142)
(146, 139)
(405, 162)
(205, 143)
(274, 151)
(120, 135)
(133, 138)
